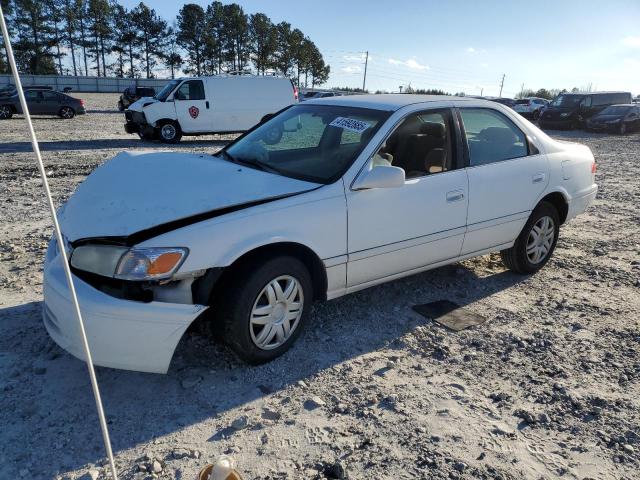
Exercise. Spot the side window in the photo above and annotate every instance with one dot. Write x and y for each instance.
(491, 137)
(586, 101)
(32, 95)
(191, 90)
(421, 144)
(51, 96)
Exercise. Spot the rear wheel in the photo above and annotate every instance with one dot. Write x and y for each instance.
(170, 132)
(66, 112)
(5, 112)
(535, 244)
(536, 115)
(265, 308)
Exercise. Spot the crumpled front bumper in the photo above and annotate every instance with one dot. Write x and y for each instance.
(122, 334)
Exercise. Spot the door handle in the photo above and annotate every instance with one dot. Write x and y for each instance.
(537, 178)
(455, 195)
(207, 103)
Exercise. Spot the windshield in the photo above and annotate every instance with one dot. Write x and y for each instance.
(616, 110)
(168, 88)
(567, 101)
(316, 143)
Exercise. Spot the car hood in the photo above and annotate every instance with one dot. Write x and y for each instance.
(141, 102)
(134, 192)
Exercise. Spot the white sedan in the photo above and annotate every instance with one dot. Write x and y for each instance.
(323, 199)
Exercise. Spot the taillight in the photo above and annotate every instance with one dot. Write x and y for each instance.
(295, 92)
(82, 102)
(593, 168)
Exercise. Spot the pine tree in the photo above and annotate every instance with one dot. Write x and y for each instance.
(32, 21)
(172, 58)
(70, 29)
(263, 41)
(99, 12)
(152, 31)
(191, 27)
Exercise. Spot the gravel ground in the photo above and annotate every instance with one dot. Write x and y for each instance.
(548, 387)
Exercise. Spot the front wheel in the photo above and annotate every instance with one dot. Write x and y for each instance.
(67, 113)
(266, 308)
(5, 112)
(170, 132)
(535, 244)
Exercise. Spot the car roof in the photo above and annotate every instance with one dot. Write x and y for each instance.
(386, 101)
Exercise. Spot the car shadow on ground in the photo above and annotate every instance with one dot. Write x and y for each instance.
(205, 379)
(115, 143)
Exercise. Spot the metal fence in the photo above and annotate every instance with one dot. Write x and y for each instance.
(85, 84)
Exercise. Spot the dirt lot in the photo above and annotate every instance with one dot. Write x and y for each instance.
(548, 387)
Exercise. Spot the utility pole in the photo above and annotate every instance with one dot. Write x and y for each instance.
(481, 90)
(364, 80)
(501, 85)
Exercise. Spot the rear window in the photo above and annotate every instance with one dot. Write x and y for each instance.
(522, 102)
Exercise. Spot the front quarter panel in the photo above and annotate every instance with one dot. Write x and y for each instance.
(315, 219)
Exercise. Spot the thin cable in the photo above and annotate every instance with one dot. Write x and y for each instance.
(61, 247)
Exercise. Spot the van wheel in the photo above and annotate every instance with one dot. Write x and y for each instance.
(5, 112)
(535, 244)
(170, 132)
(265, 308)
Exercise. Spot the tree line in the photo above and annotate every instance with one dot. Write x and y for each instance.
(103, 38)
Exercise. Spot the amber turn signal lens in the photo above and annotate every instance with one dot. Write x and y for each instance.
(164, 263)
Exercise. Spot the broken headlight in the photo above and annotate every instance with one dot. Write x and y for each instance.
(154, 263)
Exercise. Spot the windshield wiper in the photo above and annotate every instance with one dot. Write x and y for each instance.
(251, 162)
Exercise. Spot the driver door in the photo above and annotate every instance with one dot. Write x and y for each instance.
(393, 231)
(192, 107)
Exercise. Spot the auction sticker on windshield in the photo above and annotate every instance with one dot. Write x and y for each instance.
(350, 124)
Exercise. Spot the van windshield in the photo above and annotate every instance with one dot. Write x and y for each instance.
(168, 88)
(567, 101)
(316, 143)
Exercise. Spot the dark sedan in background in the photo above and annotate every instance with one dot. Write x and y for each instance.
(616, 118)
(42, 102)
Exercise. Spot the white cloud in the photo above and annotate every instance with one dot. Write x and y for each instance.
(354, 58)
(352, 69)
(410, 63)
(633, 42)
(484, 65)
(471, 50)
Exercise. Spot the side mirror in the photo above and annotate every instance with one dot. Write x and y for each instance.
(380, 177)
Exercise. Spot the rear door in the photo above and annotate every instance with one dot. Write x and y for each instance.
(507, 175)
(192, 107)
(51, 102)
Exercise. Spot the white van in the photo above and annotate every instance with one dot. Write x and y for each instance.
(205, 105)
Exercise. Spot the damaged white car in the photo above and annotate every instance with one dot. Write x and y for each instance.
(323, 199)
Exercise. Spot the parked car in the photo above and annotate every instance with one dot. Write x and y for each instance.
(509, 102)
(571, 110)
(42, 102)
(531, 107)
(616, 118)
(205, 105)
(133, 94)
(314, 95)
(323, 199)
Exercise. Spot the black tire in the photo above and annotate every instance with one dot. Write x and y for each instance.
(170, 132)
(67, 113)
(536, 115)
(6, 112)
(147, 137)
(516, 258)
(120, 106)
(244, 291)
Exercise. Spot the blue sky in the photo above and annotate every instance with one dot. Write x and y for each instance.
(466, 45)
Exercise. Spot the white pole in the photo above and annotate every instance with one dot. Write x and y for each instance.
(61, 248)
